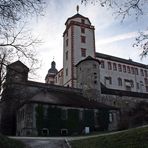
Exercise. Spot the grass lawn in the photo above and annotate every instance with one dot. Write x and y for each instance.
(134, 138)
(10, 143)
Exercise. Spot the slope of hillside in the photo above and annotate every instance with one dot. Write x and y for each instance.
(134, 138)
(10, 143)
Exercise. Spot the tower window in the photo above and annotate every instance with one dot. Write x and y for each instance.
(67, 42)
(67, 33)
(82, 21)
(83, 39)
(94, 66)
(83, 52)
(82, 30)
(95, 82)
(66, 71)
(66, 55)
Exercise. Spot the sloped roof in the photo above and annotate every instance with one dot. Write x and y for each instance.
(67, 99)
(89, 58)
(117, 59)
(77, 16)
(18, 66)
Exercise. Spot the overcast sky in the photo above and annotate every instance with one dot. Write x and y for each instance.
(112, 37)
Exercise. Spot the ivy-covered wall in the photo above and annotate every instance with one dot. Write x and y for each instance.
(56, 118)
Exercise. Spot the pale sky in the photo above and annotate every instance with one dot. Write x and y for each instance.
(112, 37)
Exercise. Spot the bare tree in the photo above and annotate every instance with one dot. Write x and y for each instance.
(15, 41)
(124, 9)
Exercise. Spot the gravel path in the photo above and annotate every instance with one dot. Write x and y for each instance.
(32, 143)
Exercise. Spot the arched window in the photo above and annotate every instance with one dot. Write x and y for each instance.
(119, 82)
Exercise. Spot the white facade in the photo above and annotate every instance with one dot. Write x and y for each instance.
(78, 43)
(121, 74)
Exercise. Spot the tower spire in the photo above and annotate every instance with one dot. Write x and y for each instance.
(77, 8)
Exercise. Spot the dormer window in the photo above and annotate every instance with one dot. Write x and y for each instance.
(82, 21)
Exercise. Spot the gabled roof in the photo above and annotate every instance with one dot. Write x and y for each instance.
(117, 59)
(18, 63)
(77, 16)
(67, 99)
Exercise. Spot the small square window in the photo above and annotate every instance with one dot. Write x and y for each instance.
(83, 52)
(114, 66)
(82, 21)
(136, 71)
(83, 39)
(124, 68)
(82, 30)
(102, 64)
(109, 66)
(142, 72)
(132, 70)
(67, 42)
(66, 71)
(128, 69)
(119, 67)
(66, 55)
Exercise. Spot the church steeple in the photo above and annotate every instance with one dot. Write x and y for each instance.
(51, 73)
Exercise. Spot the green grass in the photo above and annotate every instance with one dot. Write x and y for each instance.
(134, 138)
(10, 143)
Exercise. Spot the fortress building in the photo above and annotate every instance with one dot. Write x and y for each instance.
(90, 92)
(114, 72)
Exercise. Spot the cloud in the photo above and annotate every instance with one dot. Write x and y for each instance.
(117, 38)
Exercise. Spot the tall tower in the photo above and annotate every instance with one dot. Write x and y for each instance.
(78, 43)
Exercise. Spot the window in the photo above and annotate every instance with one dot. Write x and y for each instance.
(83, 39)
(94, 66)
(119, 67)
(102, 64)
(128, 69)
(146, 73)
(81, 115)
(82, 21)
(136, 71)
(66, 55)
(64, 114)
(141, 71)
(132, 70)
(83, 52)
(109, 66)
(67, 33)
(82, 30)
(124, 68)
(132, 83)
(110, 117)
(108, 80)
(66, 71)
(67, 42)
(95, 82)
(137, 85)
(114, 66)
(119, 82)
